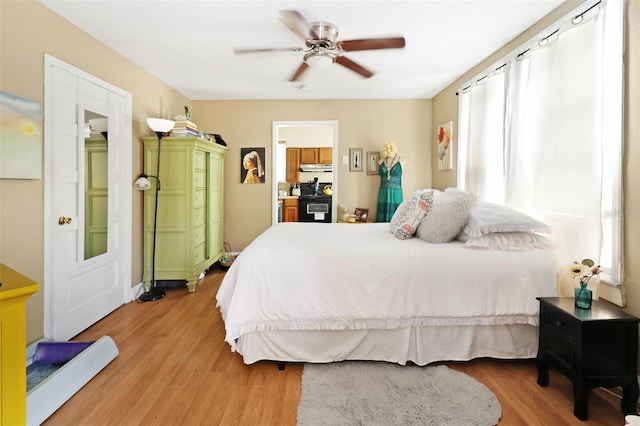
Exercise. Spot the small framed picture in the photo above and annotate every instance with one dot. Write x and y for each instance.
(372, 162)
(445, 146)
(361, 214)
(355, 159)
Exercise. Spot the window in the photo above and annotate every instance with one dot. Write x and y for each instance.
(542, 132)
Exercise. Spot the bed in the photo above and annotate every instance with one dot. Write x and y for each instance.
(310, 292)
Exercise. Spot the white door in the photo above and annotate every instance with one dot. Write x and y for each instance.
(87, 200)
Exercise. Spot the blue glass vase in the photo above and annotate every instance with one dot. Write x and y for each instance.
(583, 296)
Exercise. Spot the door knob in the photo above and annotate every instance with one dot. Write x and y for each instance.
(63, 220)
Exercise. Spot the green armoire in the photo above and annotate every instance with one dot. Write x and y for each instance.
(190, 208)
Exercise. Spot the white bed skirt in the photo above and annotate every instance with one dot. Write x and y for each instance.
(420, 345)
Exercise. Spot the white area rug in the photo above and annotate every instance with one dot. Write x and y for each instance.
(385, 394)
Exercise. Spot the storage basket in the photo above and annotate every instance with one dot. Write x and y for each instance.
(227, 259)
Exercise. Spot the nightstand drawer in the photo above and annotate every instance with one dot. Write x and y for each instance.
(559, 322)
(562, 347)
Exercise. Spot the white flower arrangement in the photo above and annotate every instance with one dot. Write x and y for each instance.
(583, 271)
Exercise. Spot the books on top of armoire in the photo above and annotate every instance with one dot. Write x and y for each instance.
(184, 127)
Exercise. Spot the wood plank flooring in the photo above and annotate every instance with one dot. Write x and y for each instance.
(174, 368)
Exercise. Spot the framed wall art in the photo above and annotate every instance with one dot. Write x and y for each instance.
(252, 165)
(445, 146)
(373, 160)
(20, 137)
(355, 159)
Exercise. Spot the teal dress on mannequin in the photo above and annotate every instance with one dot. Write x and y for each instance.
(390, 192)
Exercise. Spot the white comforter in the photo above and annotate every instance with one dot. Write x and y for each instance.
(310, 276)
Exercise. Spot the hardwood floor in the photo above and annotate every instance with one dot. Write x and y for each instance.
(174, 368)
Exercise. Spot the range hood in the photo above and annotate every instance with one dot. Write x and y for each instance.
(316, 167)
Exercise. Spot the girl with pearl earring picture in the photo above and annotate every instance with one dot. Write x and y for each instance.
(252, 170)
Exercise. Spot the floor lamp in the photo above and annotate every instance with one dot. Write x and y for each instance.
(160, 127)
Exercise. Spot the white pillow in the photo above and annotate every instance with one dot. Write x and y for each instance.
(447, 216)
(486, 218)
(510, 241)
(409, 214)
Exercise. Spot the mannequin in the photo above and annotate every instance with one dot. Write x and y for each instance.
(390, 192)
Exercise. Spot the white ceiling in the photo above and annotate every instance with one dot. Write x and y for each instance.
(188, 44)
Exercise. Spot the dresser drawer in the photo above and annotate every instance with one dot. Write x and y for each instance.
(199, 179)
(199, 253)
(199, 234)
(198, 197)
(198, 216)
(199, 160)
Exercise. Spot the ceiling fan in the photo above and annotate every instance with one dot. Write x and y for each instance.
(322, 49)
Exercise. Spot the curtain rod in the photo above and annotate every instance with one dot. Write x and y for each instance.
(576, 20)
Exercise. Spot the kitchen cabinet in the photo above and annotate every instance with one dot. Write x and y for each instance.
(14, 292)
(309, 156)
(293, 165)
(190, 208)
(325, 155)
(297, 156)
(289, 209)
(316, 155)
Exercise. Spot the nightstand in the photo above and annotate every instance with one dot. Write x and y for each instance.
(595, 347)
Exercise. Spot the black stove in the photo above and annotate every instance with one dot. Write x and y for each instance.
(315, 197)
(308, 189)
(314, 207)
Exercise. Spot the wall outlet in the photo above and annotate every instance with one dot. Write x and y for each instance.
(345, 159)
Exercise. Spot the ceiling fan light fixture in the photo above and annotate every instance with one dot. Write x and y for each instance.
(318, 60)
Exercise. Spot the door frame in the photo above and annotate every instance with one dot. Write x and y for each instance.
(275, 126)
(124, 194)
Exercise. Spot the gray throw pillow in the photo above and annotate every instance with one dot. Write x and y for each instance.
(447, 217)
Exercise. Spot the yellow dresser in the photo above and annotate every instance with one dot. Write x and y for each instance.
(14, 292)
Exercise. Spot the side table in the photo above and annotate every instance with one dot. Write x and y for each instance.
(595, 347)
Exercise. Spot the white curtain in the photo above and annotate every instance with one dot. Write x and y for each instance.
(484, 110)
(559, 159)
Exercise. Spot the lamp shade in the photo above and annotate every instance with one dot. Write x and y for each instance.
(160, 124)
(99, 125)
(142, 183)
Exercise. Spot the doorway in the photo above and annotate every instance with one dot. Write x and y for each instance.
(278, 163)
(87, 206)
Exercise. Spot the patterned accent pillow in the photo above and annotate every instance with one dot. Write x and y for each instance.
(407, 217)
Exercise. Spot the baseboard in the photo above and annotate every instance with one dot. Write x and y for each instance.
(614, 294)
(136, 291)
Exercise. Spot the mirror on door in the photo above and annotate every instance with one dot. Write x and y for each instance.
(96, 184)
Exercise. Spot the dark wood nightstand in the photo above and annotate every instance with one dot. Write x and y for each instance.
(595, 347)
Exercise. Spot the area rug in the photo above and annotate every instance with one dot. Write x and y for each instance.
(379, 393)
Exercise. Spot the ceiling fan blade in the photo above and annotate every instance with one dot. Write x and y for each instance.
(241, 51)
(372, 43)
(302, 68)
(346, 62)
(297, 24)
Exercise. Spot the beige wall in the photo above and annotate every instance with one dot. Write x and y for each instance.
(28, 30)
(366, 124)
(445, 108)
